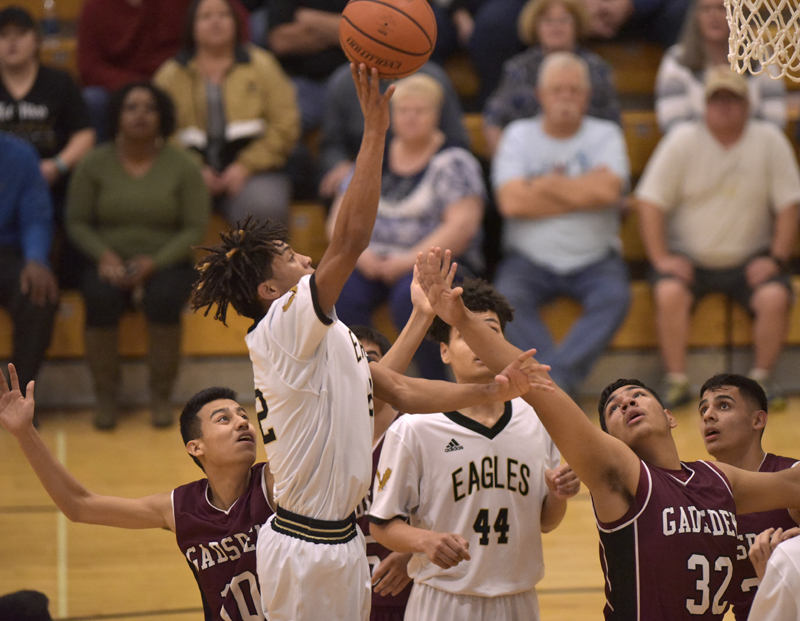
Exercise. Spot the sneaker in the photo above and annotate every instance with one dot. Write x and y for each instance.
(676, 393)
(776, 399)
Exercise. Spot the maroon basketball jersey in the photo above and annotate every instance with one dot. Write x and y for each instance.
(375, 551)
(221, 546)
(671, 556)
(750, 525)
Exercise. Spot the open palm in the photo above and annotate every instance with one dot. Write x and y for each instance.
(16, 411)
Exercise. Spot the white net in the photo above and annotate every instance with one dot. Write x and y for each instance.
(764, 33)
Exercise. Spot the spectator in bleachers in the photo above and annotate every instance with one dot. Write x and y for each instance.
(455, 23)
(432, 194)
(343, 124)
(659, 21)
(135, 207)
(28, 288)
(704, 44)
(124, 41)
(258, 20)
(43, 106)
(304, 35)
(718, 205)
(547, 26)
(558, 180)
(236, 114)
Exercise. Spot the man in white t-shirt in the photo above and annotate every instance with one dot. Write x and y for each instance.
(559, 179)
(469, 493)
(718, 206)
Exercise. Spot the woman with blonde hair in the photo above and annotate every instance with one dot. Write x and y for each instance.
(547, 26)
(704, 43)
(432, 194)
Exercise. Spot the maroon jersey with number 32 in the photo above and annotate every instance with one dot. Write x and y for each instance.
(221, 546)
(672, 555)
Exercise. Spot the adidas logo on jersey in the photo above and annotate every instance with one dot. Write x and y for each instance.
(453, 446)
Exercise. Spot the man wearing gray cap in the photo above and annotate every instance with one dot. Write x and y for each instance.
(718, 206)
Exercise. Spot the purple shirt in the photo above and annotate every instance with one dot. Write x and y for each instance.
(750, 525)
(375, 551)
(221, 546)
(671, 556)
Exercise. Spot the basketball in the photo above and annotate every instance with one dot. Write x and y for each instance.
(394, 36)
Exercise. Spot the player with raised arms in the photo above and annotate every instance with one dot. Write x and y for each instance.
(314, 389)
(667, 528)
(215, 520)
(470, 492)
(733, 417)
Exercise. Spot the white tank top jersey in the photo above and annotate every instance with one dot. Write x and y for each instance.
(448, 473)
(314, 405)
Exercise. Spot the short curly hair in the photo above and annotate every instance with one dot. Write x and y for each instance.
(479, 297)
(166, 109)
(532, 11)
(232, 270)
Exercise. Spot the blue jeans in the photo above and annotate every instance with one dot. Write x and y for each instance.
(360, 298)
(603, 291)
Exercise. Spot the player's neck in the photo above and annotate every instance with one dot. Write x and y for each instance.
(660, 453)
(487, 415)
(748, 459)
(227, 484)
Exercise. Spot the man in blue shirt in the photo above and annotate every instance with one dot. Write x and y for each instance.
(28, 288)
(559, 179)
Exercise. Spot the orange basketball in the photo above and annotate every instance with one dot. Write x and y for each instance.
(394, 36)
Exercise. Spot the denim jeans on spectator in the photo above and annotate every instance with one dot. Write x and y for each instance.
(361, 297)
(603, 291)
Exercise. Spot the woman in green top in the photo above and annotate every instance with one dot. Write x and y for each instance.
(135, 207)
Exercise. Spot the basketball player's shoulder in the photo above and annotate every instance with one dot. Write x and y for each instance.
(775, 463)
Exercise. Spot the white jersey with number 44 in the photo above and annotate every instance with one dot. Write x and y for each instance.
(314, 404)
(448, 473)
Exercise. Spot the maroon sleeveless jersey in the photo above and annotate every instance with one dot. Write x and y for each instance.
(375, 551)
(220, 546)
(750, 525)
(671, 556)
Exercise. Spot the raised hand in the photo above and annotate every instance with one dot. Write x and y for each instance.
(374, 106)
(16, 411)
(562, 481)
(519, 377)
(418, 297)
(436, 274)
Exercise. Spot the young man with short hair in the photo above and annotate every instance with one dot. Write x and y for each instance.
(212, 518)
(478, 485)
(733, 415)
(667, 528)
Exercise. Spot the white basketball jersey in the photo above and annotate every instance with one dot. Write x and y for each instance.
(448, 473)
(314, 404)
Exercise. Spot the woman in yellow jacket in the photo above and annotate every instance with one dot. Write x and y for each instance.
(236, 111)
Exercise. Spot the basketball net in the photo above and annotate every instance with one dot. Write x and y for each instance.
(764, 33)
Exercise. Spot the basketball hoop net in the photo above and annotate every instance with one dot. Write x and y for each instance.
(764, 33)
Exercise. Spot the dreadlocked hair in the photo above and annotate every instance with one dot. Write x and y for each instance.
(232, 270)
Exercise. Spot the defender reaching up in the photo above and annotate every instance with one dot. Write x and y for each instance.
(648, 503)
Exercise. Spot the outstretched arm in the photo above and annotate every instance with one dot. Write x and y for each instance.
(416, 395)
(608, 467)
(74, 500)
(763, 491)
(356, 219)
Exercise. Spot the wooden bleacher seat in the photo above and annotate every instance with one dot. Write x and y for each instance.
(635, 65)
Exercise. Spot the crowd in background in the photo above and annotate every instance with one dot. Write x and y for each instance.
(189, 107)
